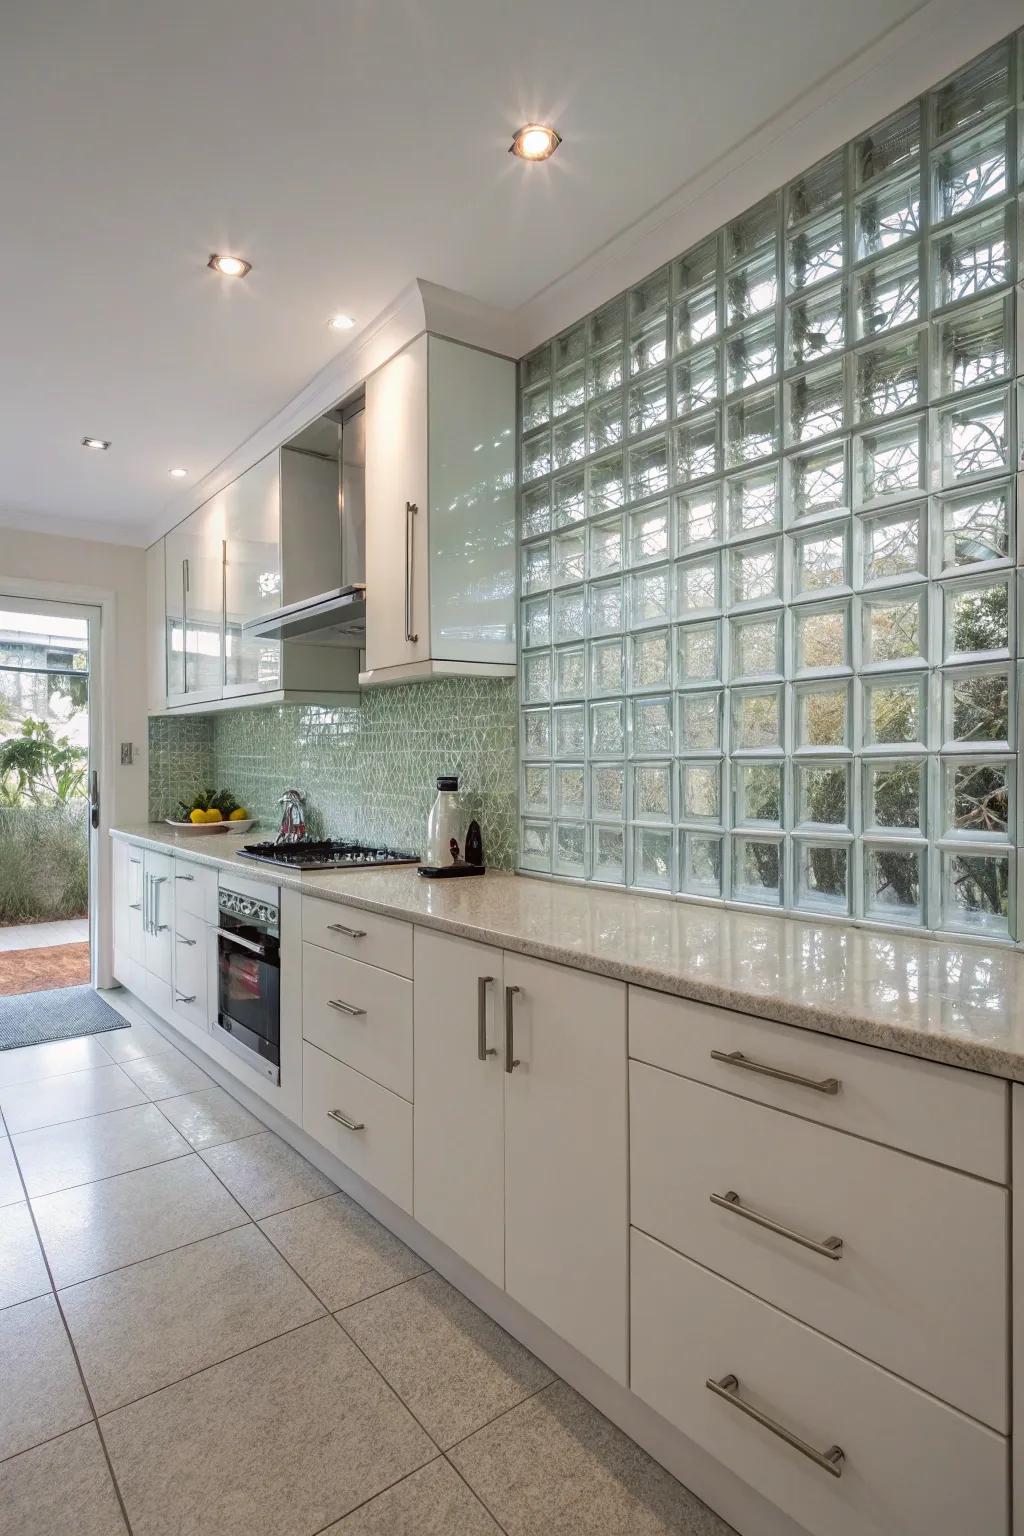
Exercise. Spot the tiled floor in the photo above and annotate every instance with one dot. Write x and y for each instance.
(201, 1336)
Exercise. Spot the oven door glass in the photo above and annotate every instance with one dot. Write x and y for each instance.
(249, 997)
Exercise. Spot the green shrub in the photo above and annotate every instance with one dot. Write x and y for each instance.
(44, 862)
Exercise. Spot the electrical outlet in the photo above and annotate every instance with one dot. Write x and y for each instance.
(127, 754)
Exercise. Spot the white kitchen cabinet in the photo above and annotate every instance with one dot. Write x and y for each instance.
(440, 514)
(252, 576)
(158, 915)
(126, 892)
(189, 996)
(194, 607)
(156, 634)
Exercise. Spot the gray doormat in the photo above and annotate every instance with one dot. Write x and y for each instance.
(34, 1018)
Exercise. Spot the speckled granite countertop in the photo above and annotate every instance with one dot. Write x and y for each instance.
(960, 1004)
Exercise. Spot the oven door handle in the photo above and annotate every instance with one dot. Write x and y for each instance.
(236, 938)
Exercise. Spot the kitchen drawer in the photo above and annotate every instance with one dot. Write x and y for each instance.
(380, 1151)
(366, 936)
(911, 1465)
(950, 1116)
(376, 1037)
(195, 889)
(919, 1284)
(192, 940)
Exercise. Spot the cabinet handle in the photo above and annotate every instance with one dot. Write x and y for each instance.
(336, 1003)
(830, 1461)
(350, 1125)
(184, 877)
(146, 882)
(184, 626)
(179, 997)
(350, 933)
(155, 925)
(737, 1059)
(135, 906)
(830, 1248)
(511, 1060)
(410, 512)
(483, 1050)
(190, 942)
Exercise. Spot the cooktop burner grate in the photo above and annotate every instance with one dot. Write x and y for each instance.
(325, 853)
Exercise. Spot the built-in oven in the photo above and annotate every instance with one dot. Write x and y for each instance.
(249, 979)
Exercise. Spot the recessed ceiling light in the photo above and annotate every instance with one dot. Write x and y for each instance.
(535, 141)
(96, 442)
(177, 474)
(229, 266)
(341, 322)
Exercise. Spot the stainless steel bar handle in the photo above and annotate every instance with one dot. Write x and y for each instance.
(135, 906)
(340, 1007)
(182, 940)
(482, 1048)
(184, 877)
(179, 997)
(236, 938)
(184, 626)
(737, 1059)
(411, 510)
(350, 933)
(146, 883)
(158, 926)
(342, 1119)
(828, 1248)
(830, 1461)
(511, 1060)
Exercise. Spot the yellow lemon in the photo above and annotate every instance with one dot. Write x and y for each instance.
(213, 815)
(238, 814)
(197, 817)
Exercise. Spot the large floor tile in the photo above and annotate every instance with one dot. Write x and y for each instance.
(98, 1227)
(139, 1040)
(279, 1441)
(10, 1183)
(163, 1076)
(42, 1394)
(55, 1059)
(449, 1362)
(340, 1251)
(22, 1270)
(432, 1502)
(154, 1323)
(266, 1175)
(209, 1117)
(79, 1151)
(60, 1489)
(72, 1096)
(555, 1467)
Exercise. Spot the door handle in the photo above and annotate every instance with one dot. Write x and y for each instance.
(830, 1461)
(94, 800)
(343, 1119)
(411, 510)
(511, 1060)
(482, 1048)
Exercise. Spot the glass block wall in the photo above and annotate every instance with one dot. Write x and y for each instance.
(768, 548)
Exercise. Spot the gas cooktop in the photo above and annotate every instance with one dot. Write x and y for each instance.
(328, 853)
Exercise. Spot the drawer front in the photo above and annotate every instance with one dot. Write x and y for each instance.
(195, 889)
(380, 1151)
(911, 1466)
(192, 939)
(950, 1116)
(375, 1037)
(366, 936)
(920, 1244)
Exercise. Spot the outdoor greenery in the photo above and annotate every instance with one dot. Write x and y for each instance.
(38, 767)
(44, 862)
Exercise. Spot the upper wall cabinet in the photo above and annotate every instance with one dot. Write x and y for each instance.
(440, 514)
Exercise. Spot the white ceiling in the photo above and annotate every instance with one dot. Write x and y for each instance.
(344, 147)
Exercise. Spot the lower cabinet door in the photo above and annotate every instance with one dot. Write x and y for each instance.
(192, 939)
(459, 1137)
(909, 1465)
(365, 1125)
(566, 1213)
(158, 915)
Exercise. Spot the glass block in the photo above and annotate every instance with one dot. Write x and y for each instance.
(607, 666)
(823, 716)
(891, 146)
(698, 518)
(751, 355)
(604, 423)
(894, 795)
(569, 615)
(975, 92)
(536, 733)
(608, 325)
(695, 318)
(535, 846)
(568, 499)
(568, 556)
(816, 325)
(822, 636)
(604, 371)
(972, 346)
(753, 230)
(570, 789)
(537, 367)
(977, 798)
(968, 172)
(697, 449)
(650, 596)
(606, 606)
(570, 672)
(650, 295)
(816, 252)
(752, 289)
(536, 406)
(756, 719)
(570, 347)
(975, 437)
(608, 791)
(976, 619)
(892, 884)
(570, 390)
(757, 794)
(648, 346)
(819, 481)
(606, 487)
(889, 293)
(649, 534)
(570, 850)
(701, 871)
(976, 525)
(648, 468)
(536, 677)
(888, 377)
(755, 572)
(651, 727)
(894, 627)
(698, 654)
(752, 427)
(697, 266)
(700, 792)
(536, 457)
(537, 789)
(650, 660)
(608, 728)
(608, 855)
(652, 858)
(648, 404)
(886, 216)
(972, 258)
(700, 722)
(569, 442)
(536, 621)
(697, 379)
(755, 646)
(817, 189)
(817, 404)
(607, 546)
(570, 731)
(976, 706)
(822, 876)
(536, 567)
(821, 559)
(893, 544)
(753, 501)
(651, 791)
(890, 462)
(894, 712)
(535, 508)
(976, 893)
(757, 870)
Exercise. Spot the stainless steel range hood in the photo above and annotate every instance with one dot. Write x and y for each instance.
(337, 617)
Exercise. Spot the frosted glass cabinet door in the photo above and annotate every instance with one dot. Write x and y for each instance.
(252, 576)
(175, 547)
(204, 602)
(156, 633)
